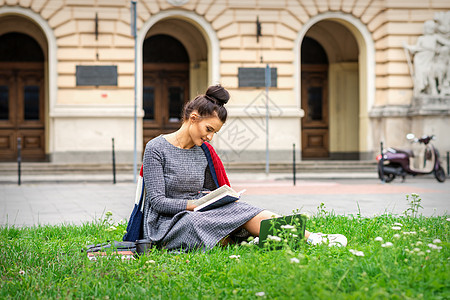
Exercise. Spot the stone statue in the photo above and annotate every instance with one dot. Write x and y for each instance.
(431, 57)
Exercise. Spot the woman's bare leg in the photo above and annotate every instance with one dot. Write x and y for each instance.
(254, 224)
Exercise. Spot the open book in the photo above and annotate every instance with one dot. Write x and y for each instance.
(217, 198)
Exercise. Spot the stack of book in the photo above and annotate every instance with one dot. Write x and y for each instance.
(123, 255)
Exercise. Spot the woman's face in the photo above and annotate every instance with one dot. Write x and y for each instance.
(202, 129)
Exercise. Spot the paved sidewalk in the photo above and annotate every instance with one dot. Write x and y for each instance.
(76, 203)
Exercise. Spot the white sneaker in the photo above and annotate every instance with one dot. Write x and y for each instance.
(255, 241)
(331, 239)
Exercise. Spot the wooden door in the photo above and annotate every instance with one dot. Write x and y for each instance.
(315, 133)
(166, 90)
(22, 111)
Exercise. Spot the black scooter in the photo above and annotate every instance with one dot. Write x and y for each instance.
(398, 162)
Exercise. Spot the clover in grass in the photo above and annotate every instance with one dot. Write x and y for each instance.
(274, 238)
(294, 260)
(356, 252)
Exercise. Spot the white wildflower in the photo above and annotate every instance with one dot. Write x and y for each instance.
(397, 236)
(428, 250)
(295, 260)
(416, 249)
(22, 272)
(111, 228)
(378, 239)
(396, 227)
(356, 252)
(398, 224)
(387, 244)
(260, 294)
(274, 238)
(435, 247)
(414, 194)
(419, 243)
(287, 226)
(293, 235)
(234, 257)
(437, 241)
(448, 219)
(151, 261)
(409, 232)
(421, 253)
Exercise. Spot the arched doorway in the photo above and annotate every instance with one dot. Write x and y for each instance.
(179, 56)
(165, 84)
(22, 97)
(330, 94)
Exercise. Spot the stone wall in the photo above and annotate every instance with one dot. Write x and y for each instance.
(390, 23)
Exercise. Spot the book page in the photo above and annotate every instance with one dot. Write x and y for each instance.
(227, 194)
(224, 189)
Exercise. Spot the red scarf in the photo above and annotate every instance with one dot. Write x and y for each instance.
(218, 171)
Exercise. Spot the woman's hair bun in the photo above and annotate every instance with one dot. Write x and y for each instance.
(218, 94)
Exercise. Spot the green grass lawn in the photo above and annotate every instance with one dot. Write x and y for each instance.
(411, 262)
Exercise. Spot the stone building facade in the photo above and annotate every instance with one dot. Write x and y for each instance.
(341, 81)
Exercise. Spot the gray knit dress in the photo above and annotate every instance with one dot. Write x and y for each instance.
(172, 176)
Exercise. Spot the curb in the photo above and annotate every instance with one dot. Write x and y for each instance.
(128, 178)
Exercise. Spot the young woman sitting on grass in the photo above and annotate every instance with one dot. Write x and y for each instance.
(175, 171)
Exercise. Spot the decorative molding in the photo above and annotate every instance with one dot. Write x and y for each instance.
(430, 106)
(285, 112)
(177, 2)
(421, 106)
(389, 111)
(95, 111)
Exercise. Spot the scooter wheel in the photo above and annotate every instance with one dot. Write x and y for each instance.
(383, 176)
(440, 174)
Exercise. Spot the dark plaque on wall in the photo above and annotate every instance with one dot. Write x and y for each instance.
(256, 77)
(96, 75)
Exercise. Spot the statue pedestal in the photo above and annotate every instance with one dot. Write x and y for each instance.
(429, 105)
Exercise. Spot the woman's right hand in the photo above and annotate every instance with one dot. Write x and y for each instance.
(191, 205)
